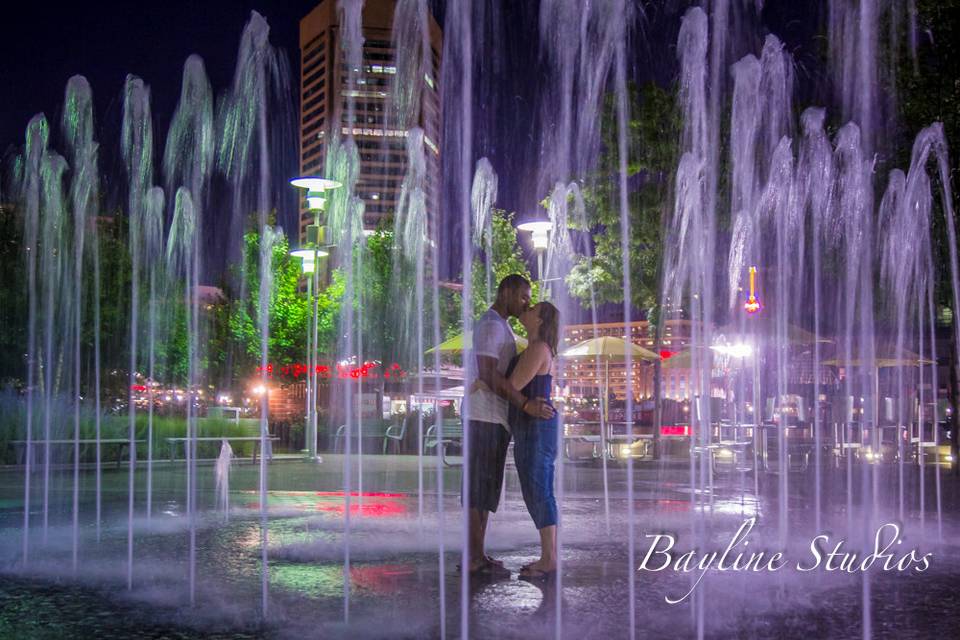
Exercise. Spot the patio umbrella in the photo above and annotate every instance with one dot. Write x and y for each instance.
(462, 341)
(607, 348)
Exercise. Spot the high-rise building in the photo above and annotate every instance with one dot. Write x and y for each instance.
(381, 141)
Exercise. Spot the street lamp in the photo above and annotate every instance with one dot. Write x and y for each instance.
(309, 254)
(540, 235)
(738, 350)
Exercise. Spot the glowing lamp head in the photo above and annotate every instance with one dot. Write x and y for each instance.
(733, 350)
(309, 254)
(315, 184)
(315, 202)
(539, 233)
(308, 258)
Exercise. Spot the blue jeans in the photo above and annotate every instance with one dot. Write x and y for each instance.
(535, 452)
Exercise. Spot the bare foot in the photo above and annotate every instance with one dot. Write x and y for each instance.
(493, 561)
(538, 569)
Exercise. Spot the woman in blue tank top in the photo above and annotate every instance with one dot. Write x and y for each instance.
(535, 439)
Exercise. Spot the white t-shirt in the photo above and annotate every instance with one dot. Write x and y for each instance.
(492, 337)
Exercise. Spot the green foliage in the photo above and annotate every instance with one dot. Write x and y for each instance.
(374, 296)
(13, 291)
(653, 148)
(287, 308)
(506, 258)
(13, 419)
(329, 301)
(930, 92)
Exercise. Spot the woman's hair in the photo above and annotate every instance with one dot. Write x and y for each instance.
(549, 330)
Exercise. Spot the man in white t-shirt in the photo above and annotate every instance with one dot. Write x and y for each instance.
(486, 410)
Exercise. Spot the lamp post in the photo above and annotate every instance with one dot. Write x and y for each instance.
(540, 235)
(309, 255)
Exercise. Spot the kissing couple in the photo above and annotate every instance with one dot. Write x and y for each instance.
(511, 398)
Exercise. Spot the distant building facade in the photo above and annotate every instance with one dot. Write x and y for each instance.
(381, 142)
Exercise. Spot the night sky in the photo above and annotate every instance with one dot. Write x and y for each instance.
(41, 48)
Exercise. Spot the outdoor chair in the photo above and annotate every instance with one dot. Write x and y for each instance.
(396, 433)
(372, 428)
(452, 435)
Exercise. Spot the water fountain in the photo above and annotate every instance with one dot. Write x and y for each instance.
(846, 264)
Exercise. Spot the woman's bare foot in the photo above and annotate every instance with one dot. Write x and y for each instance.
(539, 569)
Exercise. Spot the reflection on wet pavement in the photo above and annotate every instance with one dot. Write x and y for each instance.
(395, 579)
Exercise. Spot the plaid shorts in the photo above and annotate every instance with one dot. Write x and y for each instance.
(488, 444)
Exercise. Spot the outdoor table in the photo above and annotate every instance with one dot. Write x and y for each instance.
(588, 438)
(598, 438)
(795, 445)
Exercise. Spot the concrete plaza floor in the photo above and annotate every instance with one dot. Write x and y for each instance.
(403, 548)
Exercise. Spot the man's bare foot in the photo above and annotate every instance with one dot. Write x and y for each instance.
(485, 564)
(493, 561)
(478, 565)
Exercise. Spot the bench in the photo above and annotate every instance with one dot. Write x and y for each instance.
(124, 443)
(452, 435)
(373, 428)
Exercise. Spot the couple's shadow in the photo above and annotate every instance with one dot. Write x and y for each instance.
(484, 585)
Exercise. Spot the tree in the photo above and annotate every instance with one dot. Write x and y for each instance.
(288, 307)
(13, 314)
(329, 302)
(930, 92)
(653, 147)
(506, 258)
(374, 296)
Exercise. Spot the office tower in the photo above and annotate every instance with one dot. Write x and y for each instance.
(381, 142)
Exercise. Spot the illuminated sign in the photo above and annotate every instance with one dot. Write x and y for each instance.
(342, 371)
(675, 430)
(752, 305)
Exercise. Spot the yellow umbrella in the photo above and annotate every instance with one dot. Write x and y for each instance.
(609, 348)
(462, 341)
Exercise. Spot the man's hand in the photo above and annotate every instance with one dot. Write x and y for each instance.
(479, 385)
(538, 408)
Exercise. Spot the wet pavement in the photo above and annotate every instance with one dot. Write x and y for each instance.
(401, 585)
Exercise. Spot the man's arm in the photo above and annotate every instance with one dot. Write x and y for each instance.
(497, 383)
